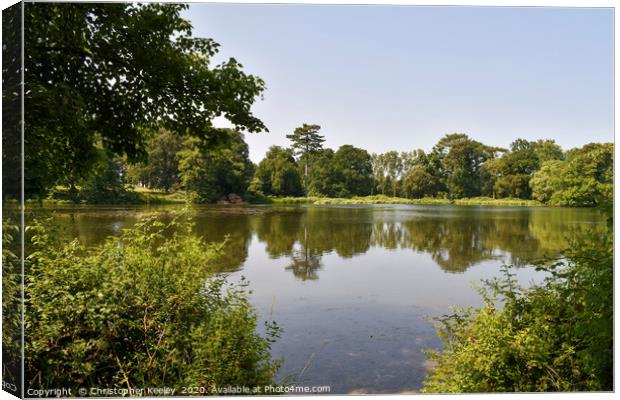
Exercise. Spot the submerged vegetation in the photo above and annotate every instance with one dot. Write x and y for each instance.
(553, 336)
(142, 309)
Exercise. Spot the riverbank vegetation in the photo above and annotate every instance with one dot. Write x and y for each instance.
(381, 199)
(143, 309)
(553, 336)
(457, 171)
(99, 129)
(121, 100)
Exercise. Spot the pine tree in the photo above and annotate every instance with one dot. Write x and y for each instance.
(306, 142)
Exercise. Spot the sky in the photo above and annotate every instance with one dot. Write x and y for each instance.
(401, 77)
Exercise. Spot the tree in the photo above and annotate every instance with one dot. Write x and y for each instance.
(210, 173)
(107, 73)
(584, 179)
(307, 142)
(393, 168)
(547, 150)
(420, 175)
(161, 169)
(322, 176)
(546, 181)
(417, 183)
(461, 161)
(490, 171)
(353, 170)
(106, 182)
(277, 174)
(378, 172)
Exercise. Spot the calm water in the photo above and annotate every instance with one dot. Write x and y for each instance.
(354, 287)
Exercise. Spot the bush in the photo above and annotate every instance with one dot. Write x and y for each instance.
(140, 310)
(556, 336)
(11, 302)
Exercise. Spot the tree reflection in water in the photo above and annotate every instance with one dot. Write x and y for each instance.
(456, 238)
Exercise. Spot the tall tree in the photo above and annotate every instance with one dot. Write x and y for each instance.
(353, 169)
(161, 169)
(322, 176)
(107, 73)
(307, 142)
(394, 169)
(461, 160)
(277, 174)
(420, 176)
(516, 167)
(584, 179)
(209, 173)
(378, 172)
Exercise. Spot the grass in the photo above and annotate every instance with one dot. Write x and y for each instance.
(150, 196)
(157, 197)
(381, 199)
(60, 195)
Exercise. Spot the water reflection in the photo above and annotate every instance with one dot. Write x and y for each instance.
(455, 237)
(353, 287)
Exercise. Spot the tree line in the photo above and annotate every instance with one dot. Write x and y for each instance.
(122, 94)
(456, 167)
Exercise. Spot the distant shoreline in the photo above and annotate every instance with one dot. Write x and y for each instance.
(150, 197)
(380, 199)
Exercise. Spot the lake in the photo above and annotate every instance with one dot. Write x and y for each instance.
(355, 287)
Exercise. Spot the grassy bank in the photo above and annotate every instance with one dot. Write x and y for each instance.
(138, 196)
(380, 199)
(149, 196)
(62, 196)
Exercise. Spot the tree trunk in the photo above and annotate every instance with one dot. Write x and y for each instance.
(306, 179)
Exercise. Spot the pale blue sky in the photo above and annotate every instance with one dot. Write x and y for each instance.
(400, 77)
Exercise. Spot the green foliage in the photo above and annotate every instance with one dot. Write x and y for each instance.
(106, 183)
(510, 176)
(277, 174)
(108, 73)
(381, 199)
(555, 336)
(307, 142)
(322, 177)
(353, 170)
(419, 175)
(208, 173)
(418, 183)
(461, 162)
(546, 181)
(11, 301)
(12, 52)
(393, 169)
(161, 169)
(585, 178)
(306, 139)
(140, 310)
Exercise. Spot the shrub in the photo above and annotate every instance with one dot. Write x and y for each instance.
(556, 336)
(11, 302)
(140, 310)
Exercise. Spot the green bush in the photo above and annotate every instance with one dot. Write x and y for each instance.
(140, 310)
(555, 336)
(11, 302)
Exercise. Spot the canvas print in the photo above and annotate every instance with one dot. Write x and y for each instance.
(299, 199)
